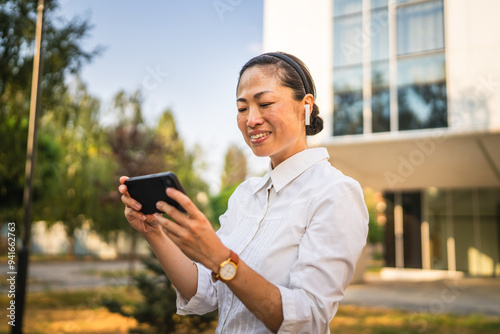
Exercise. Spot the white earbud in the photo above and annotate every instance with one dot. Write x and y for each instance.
(308, 114)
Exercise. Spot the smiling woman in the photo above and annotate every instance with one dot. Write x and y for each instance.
(289, 241)
(271, 86)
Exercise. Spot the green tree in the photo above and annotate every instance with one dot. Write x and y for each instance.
(85, 184)
(375, 230)
(63, 55)
(136, 148)
(235, 172)
(235, 167)
(183, 162)
(139, 149)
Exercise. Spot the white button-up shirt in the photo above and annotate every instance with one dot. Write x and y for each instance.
(302, 226)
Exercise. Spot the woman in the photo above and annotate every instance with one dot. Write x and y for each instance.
(289, 241)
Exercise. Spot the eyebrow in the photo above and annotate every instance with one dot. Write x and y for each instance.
(256, 96)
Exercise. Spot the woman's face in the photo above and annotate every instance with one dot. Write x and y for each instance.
(270, 119)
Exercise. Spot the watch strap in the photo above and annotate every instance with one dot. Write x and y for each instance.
(234, 257)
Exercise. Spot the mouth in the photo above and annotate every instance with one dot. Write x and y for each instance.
(257, 138)
(259, 135)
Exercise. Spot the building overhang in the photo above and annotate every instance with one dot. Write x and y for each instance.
(419, 159)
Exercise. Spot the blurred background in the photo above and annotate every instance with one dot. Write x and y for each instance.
(410, 94)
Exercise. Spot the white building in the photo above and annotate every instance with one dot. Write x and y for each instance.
(410, 94)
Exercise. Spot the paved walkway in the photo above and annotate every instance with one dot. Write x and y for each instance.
(67, 275)
(462, 296)
(467, 295)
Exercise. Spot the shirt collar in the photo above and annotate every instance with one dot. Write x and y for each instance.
(292, 167)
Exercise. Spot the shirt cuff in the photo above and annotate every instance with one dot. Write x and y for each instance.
(205, 299)
(293, 318)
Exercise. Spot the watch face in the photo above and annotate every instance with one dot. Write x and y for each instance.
(227, 271)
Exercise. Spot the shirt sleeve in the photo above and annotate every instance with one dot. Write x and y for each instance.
(327, 256)
(205, 299)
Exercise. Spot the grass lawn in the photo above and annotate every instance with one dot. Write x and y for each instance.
(80, 312)
(364, 320)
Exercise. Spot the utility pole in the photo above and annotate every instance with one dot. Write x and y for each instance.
(22, 265)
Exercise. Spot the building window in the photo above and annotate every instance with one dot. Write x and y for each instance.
(380, 103)
(346, 7)
(348, 70)
(422, 101)
(380, 89)
(464, 229)
(422, 92)
(420, 27)
(419, 88)
(348, 101)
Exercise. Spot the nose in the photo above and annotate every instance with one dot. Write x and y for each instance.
(254, 117)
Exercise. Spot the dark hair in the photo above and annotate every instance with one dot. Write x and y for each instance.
(289, 77)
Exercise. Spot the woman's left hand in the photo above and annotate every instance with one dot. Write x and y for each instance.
(192, 233)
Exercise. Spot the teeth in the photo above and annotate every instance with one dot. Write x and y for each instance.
(260, 135)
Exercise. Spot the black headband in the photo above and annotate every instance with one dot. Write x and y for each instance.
(297, 68)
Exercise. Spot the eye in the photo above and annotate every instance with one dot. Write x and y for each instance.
(242, 109)
(263, 105)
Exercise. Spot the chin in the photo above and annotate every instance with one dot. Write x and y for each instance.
(259, 152)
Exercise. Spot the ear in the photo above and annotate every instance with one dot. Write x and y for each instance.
(308, 101)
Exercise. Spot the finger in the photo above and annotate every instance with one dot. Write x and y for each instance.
(172, 211)
(151, 220)
(131, 203)
(123, 188)
(131, 213)
(183, 201)
(173, 229)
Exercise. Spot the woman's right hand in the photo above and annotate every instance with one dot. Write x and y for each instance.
(141, 222)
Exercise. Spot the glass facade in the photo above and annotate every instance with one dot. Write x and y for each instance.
(469, 218)
(389, 75)
(419, 61)
(348, 72)
(346, 7)
(411, 205)
(422, 101)
(346, 30)
(378, 3)
(380, 104)
(379, 54)
(348, 101)
(420, 27)
(436, 208)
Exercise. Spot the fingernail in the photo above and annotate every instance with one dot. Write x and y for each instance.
(137, 206)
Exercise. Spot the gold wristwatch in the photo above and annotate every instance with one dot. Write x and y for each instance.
(227, 269)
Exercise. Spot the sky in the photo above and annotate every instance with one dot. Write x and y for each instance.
(184, 55)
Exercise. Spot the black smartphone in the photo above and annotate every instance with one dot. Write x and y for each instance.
(150, 189)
